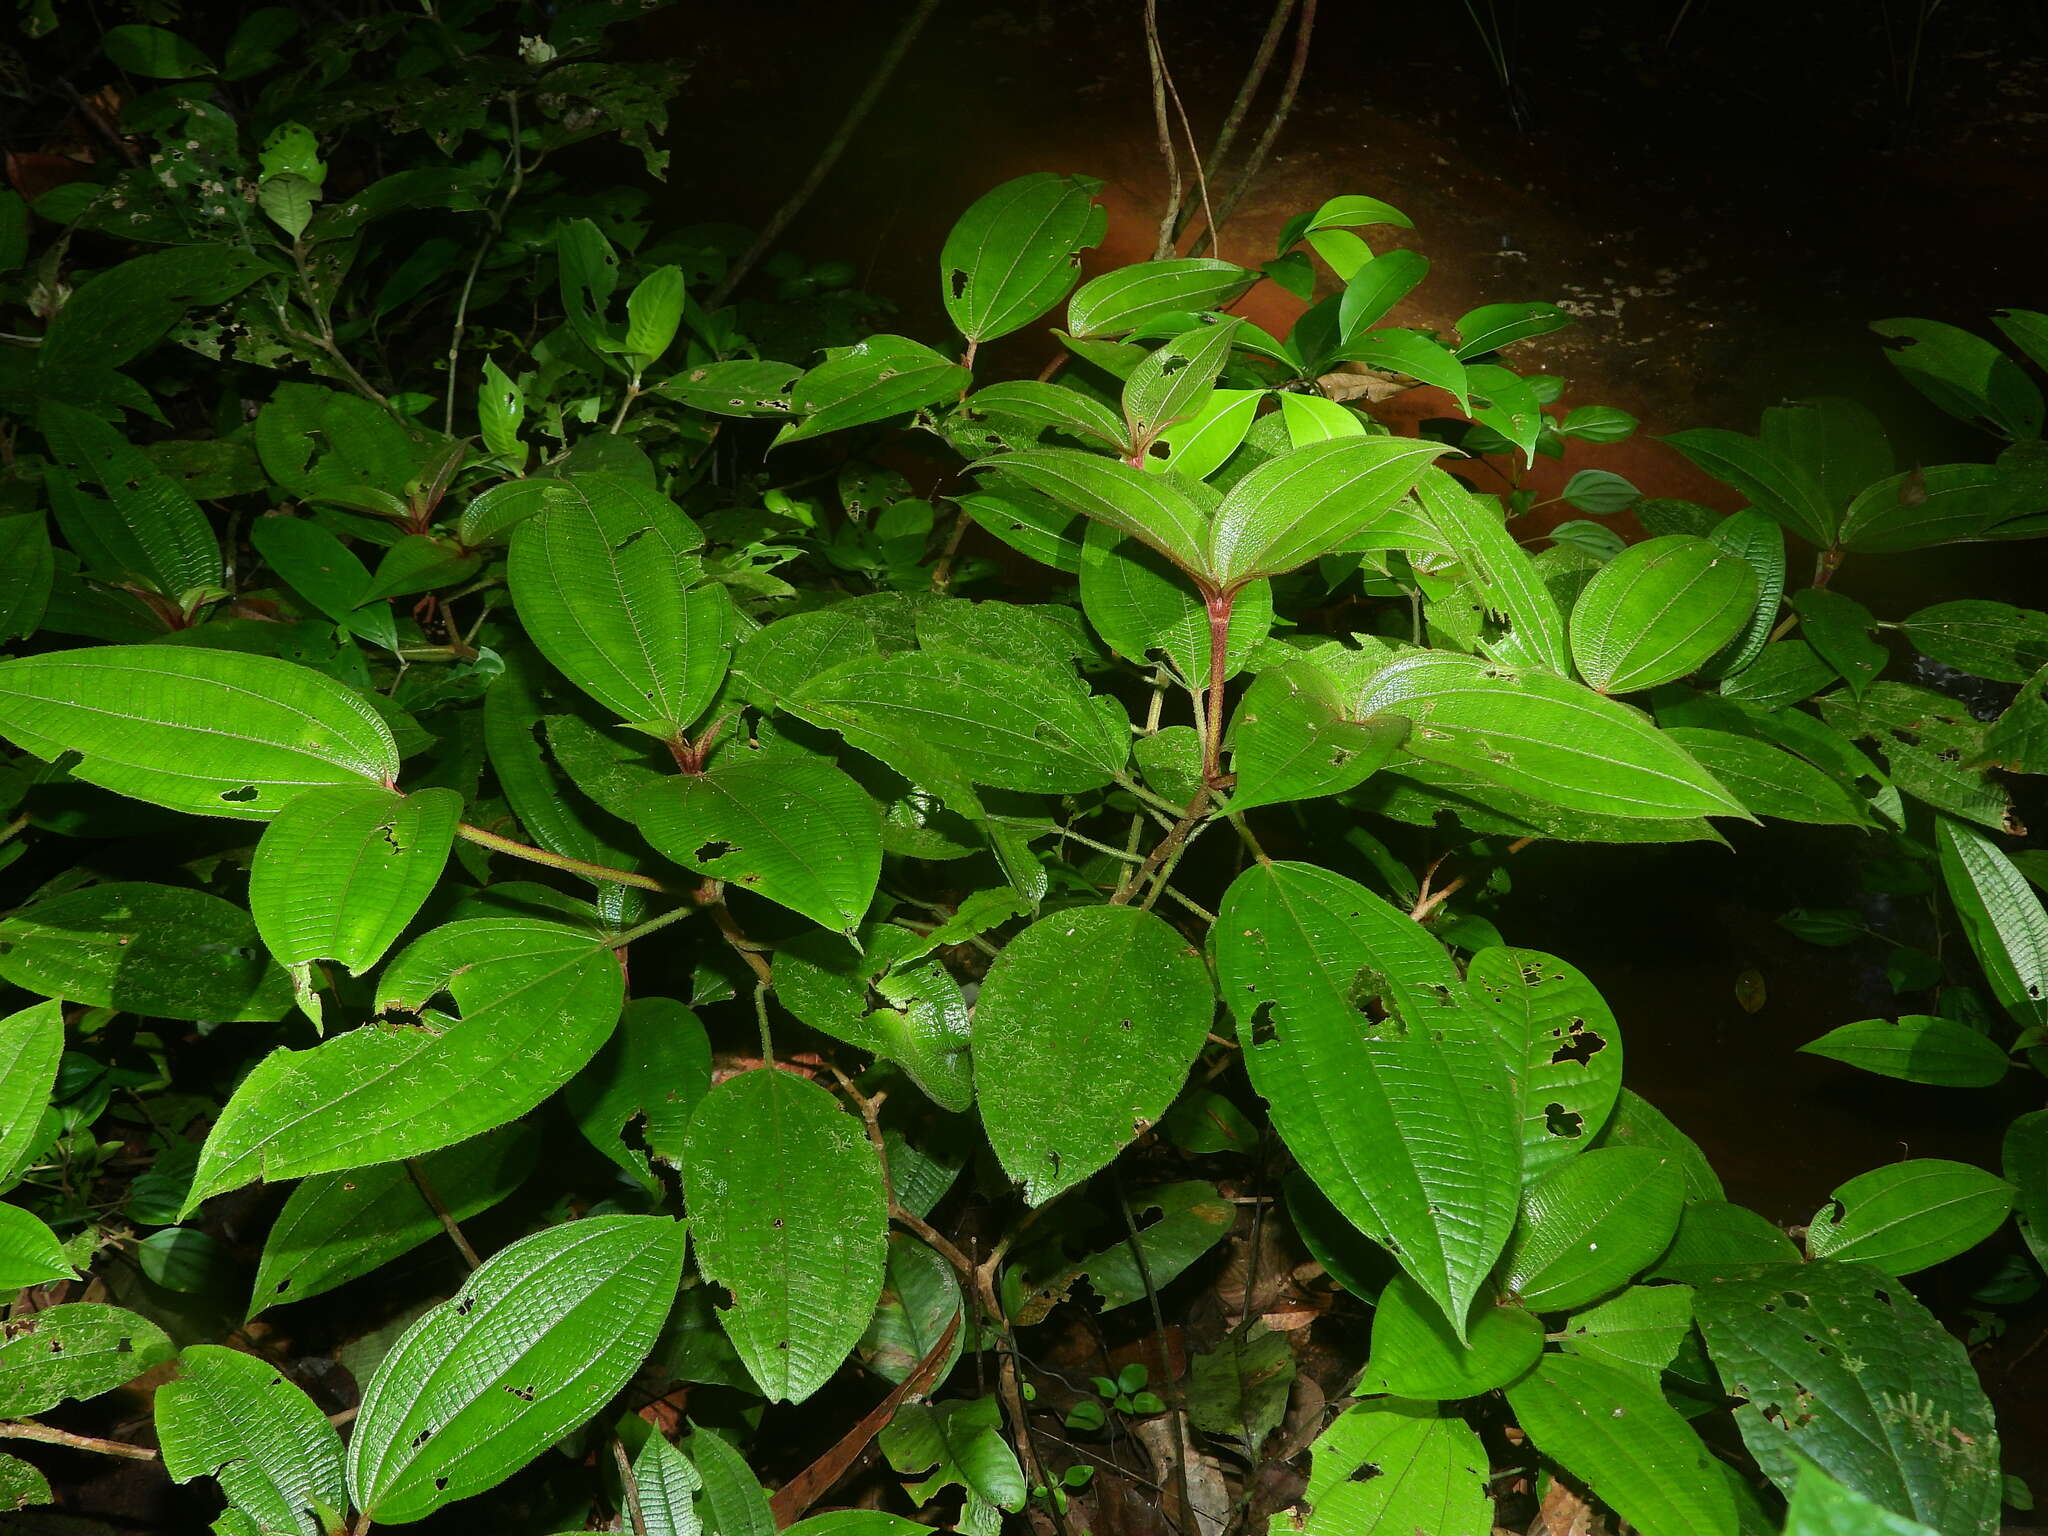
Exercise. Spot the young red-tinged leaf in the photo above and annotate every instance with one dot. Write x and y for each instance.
(240, 1420)
(534, 1343)
(786, 1202)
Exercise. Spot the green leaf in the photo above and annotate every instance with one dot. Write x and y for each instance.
(655, 1070)
(151, 51)
(1544, 736)
(1016, 251)
(22, 1485)
(26, 555)
(534, 1343)
(666, 1484)
(1140, 604)
(1823, 1507)
(1307, 502)
(1994, 640)
(77, 1350)
(1637, 1331)
(1838, 1366)
(1716, 1239)
(602, 580)
(31, 1043)
(1083, 1033)
(29, 1251)
(654, 311)
(420, 563)
(1049, 405)
(1493, 326)
(1941, 504)
(1240, 1388)
(1590, 1225)
(1133, 297)
(1597, 424)
(870, 381)
(734, 1502)
(742, 387)
(1290, 739)
(316, 442)
(323, 570)
(1838, 628)
(217, 733)
(341, 871)
(795, 830)
(1420, 357)
(1393, 1467)
(1415, 1354)
(337, 1226)
(920, 1300)
(1838, 443)
(1377, 287)
(1174, 380)
(2001, 916)
(1599, 492)
(1777, 487)
(987, 720)
(2025, 1158)
(788, 1211)
(1561, 1041)
(1772, 782)
(958, 1442)
(1150, 508)
(1176, 1224)
(1908, 1216)
(536, 1000)
(1402, 1119)
(239, 1419)
(1636, 1122)
(918, 1016)
(1965, 375)
(1615, 1433)
(126, 519)
(158, 950)
(1505, 579)
(1659, 610)
(1917, 1048)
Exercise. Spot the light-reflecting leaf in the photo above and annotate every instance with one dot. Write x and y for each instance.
(1560, 1039)
(1941, 504)
(30, 1253)
(666, 1484)
(1017, 250)
(1415, 1354)
(1907, 1216)
(1131, 297)
(1823, 1507)
(1290, 739)
(145, 527)
(1155, 509)
(1772, 782)
(1658, 610)
(1638, 1330)
(1590, 1225)
(1308, 502)
(1493, 326)
(920, 1300)
(1391, 1467)
(2002, 917)
(1776, 486)
(240, 1420)
(1174, 380)
(1499, 569)
(1916, 1048)
(1140, 604)
(31, 1042)
(957, 1442)
(77, 1350)
(872, 380)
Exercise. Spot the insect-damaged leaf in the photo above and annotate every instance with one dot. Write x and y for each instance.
(1017, 250)
(1391, 1466)
(1498, 568)
(1840, 1367)
(1387, 1088)
(1083, 1033)
(1905, 1217)
(239, 1419)
(602, 578)
(793, 829)
(786, 1202)
(534, 1343)
(1560, 1038)
(1658, 610)
(871, 380)
(218, 733)
(1291, 739)
(1174, 380)
(655, 1070)
(1119, 302)
(536, 999)
(77, 1350)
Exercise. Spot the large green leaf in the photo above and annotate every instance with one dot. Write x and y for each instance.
(1771, 781)
(602, 580)
(1941, 504)
(793, 829)
(666, 1484)
(1964, 374)
(1590, 1225)
(1174, 380)
(1017, 250)
(654, 1070)
(1140, 604)
(1615, 1433)
(317, 441)
(1931, 746)
(240, 1420)
(219, 733)
(1498, 569)
(1838, 442)
(890, 997)
(1392, 1467)
(336, 1226)
(1639, 1330)
(1905, 1217)
(872, 380)
(125, 518)
(734, 1503)
(1127, 298)
(1823, 1507)
(1050, 405)
(1291, 740)
(1388, 1090)
(1658, 610)
(533, 1344)
(1838, 1366)
(1756, 540)
(1160, 510)
(1916, 1048)
(2002, 918)
(1561, 1040)
(30, 1253)
(1415, 1354)
(31, 1044)
(158, 950)
(1083, 1033)
(1776, 486)
(77, 1350)
(1545, 736)
(958, 1442)
(536, 1000)
(1985, 639)
(1308, 502)
(786, 1202)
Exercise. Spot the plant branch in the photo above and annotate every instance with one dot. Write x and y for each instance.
(1226, 136)
(562, 861)
(442, 1213)
(23, 1429)
(636, 1517)
(476, 262)
(1155, 56)
(1164, 849)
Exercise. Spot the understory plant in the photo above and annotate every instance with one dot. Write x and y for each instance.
(605, 915)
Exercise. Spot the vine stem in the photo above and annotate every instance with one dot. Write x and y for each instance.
(1256, 160)
(476, 262)
(636, 1518)
(1156, 57)
(22, 1429)
(562, 861)
(1262, 60)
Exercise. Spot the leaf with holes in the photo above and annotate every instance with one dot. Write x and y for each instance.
(795, 830)
(1916, 1048)
(870, 381)
(1290, 739)
(1308, 502)
(2001, 916)
(536, 999)
(1017, 250)
(655, 1070)
(1615, 1433)
(1908, 1216)
(1415, 1354)
(1383, 1083)
(534, 1343)
(1561, 1042)
(787, 1207)
(74, 1351)
(1836, 1365)
(158, 950)
(1083, 1033)
(1395, 1466)
(1050, 405)
(238, 1419)
(1140, 604)
(1591, 1225)
(1659, 610)
(217, 733)
(1132, 297)
(1964, 374)
(602, 581)
(1174, 380)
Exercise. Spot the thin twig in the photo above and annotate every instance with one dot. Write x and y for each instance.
(446, 1216)
(636, 1518)
(1180, 1432)
(1195, 157)
(22, 1429)
(1164, 849)
(562, 861)
(1226, 136)
(476, 262)
(772, 231)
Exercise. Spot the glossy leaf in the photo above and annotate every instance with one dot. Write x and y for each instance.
(872, 380)
(30, 1253)
(1757, 540)
(1590, 1225)
(1050, 405)
(1964, 374)
(1941, 504)
(238, 1419)
(788, 1212)
(1306, 503)
(1414, 1353)
(1392, 1467)
(1904, 1217)
(1659, 610)
(1560, 1039)
(1500, 570)
(1401, 1118)
(31, 1042)
(1916, 1048)
(1638, 1331)
(1823, 1507)
(1129, 298)
(1377, 287)
(1493, 326)
(1290, 739)
(920, 1300)
(1174, 380)
(1200, 445)
(1152, 509)
(1016, 251)
(1141, 605)
(1772, 782)
(1780, 489)
(1083, 1033)
(957, 1442)
(666, 1484)
(76, 1350)
(795, 830)
(1636, 1122)
(2001, 916)
(1420, 357)
(218, 733)
(534, 1343)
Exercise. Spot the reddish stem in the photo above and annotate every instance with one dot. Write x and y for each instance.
(1219, 605)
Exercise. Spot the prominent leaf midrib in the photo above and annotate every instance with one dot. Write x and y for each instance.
(564, 552)
(1637, 649)
(1045, 221)
(1066, 747)
(1845, 1249)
